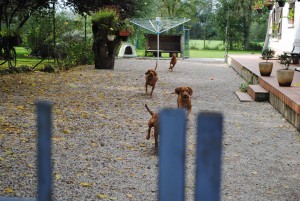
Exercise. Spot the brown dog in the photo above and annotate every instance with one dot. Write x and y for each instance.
(173, 61)
(184, 97)
(151, 79)
(153, 122)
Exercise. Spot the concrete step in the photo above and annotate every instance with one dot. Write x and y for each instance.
(258, 93)
(243, 97)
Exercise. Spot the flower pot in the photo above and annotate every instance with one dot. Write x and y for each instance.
(111, 37)
(265, 68)
(285, 77)
(281, 3)
(124, 33)
(270, 6)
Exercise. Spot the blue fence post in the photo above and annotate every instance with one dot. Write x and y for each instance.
(172, 128)
(209, 145)
(44, 125)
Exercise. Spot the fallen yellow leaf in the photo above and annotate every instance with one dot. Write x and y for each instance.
(57, 176)
(58, 138)
(66, 131)
(286, 186)
(254, 172)
(21, 107)
(129, 195)
(142, 145)
(101, 196)
(8, 190)
(84, 184)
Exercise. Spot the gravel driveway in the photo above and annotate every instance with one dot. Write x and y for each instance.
(99, 128)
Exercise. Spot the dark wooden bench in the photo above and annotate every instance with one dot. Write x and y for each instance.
(295, 53)
(167, 44)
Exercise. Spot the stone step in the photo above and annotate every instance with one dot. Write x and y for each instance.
(243, 97)
(258, 93)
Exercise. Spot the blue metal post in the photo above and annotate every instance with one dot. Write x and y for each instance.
(209, 144)
(44, 151)
(172, 128)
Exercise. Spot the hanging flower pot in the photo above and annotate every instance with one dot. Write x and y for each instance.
(124, 33)
(258, 6)
(269, 6)
(281, 3)
(111, 37)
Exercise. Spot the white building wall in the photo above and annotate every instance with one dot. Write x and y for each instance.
(288, 33)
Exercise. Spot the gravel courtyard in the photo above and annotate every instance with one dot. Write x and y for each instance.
(99, 127)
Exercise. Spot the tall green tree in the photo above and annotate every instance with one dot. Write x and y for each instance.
(15, 13)
(238, 18)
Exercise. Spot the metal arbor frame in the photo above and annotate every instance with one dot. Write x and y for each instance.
(159, 25)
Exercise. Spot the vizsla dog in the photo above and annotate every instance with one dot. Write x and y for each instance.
(153, 122)
(151, 79)
(173, 61)
(184, 97)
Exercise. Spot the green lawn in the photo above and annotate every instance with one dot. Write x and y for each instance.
(204, 53)
(215, 50)
(23, 58)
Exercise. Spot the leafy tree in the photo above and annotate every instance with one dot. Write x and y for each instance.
(237, 17)
(15, 13)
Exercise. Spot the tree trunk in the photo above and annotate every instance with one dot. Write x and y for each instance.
(104, 50)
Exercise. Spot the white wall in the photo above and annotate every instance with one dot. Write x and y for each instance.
(288, 33)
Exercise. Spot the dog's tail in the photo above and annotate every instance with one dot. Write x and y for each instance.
(152, 113)
(155, 65)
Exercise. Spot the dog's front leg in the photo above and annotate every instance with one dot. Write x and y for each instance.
(156, 138)
(148, 133)
(146, 88)
(152, 90)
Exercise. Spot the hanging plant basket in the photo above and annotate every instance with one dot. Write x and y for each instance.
(124, 33)
(111, 37)
(269, 6)
(281, 3)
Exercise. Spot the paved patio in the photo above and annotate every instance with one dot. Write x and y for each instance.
(285, 99)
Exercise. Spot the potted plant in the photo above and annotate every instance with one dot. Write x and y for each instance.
(265, 68)
(258, 6)
(285, 76)
(126, 29)
(106, 20)
(111, 34)
(269, 4)
(291, 15)
(275, 28)
(281, 3)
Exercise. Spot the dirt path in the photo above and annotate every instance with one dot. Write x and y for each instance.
(99, 145)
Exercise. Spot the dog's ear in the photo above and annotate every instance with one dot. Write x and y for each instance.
(155, 73)
(147, 73)
(177, 90)
(190, 91)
